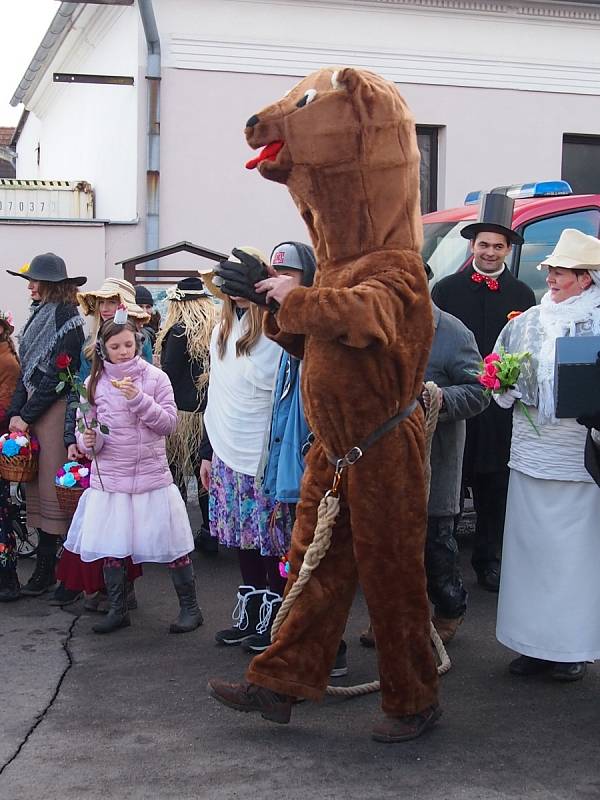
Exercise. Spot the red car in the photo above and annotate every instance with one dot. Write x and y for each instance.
(542, 211)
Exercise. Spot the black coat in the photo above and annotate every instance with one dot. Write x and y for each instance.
(183, 373)
(45, 383)
(485, 313)
(592, 458)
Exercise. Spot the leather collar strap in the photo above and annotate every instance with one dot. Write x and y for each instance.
(357, 452)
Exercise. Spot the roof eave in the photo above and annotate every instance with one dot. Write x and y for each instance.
(55, 36)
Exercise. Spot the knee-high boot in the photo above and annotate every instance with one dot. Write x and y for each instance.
(190, 616)
(116, 589)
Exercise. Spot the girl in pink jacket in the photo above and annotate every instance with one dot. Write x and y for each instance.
(132, 507)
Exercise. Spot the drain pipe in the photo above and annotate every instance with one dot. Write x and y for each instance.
(153, 77)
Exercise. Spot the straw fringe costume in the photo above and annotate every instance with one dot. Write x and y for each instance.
(183, 349)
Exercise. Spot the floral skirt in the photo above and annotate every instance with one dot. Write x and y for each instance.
(8, 544)
(241, 515)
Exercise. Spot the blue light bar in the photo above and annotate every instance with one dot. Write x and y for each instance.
(473, 197)
(519, 191)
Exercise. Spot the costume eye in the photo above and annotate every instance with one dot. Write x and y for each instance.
(307, 98)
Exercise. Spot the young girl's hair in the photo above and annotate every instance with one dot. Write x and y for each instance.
(254, 316)
(108, 329)
(6, 337)
(197, 318)
(90, 342)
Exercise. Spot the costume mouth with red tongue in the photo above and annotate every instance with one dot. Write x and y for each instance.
(268, 153)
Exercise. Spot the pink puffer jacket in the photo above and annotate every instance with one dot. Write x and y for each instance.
(132, 456)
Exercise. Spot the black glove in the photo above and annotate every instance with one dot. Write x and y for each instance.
(237, 280)
(590, 420)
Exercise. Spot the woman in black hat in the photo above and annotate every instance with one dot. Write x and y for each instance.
(183, 349)
(54, 327)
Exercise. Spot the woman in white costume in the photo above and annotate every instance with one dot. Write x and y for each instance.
(549, 602)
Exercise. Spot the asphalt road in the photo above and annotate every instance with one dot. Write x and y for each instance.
(128, 717)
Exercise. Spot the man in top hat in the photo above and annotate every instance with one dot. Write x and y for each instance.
(482, 296)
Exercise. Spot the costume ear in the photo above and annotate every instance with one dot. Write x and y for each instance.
(345, 78)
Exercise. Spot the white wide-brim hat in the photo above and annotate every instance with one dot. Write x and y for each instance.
(113, 287)
(574, 250)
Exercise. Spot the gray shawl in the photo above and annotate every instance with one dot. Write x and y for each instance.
(40, 336)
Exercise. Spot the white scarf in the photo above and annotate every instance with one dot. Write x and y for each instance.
(562, 319)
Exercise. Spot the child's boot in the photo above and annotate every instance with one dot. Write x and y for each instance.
(190, 616)
(118, 616)
(259, 641)
(246, 616)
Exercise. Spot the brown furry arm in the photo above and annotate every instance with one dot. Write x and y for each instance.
(293, 343)
(372, 312)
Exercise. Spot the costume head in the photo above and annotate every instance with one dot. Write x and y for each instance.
(192, 308)
(495, 215)
(344, 143)
(295, 255)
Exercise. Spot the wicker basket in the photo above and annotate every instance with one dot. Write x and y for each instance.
(68, 497)
(19, 469)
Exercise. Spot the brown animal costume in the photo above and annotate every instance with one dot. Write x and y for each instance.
(344, 144)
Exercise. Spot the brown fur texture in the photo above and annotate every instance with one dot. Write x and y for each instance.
(351, 163)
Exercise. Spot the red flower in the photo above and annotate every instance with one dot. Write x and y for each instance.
(63, 360)
(491, 358)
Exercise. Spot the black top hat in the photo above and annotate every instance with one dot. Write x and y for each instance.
(188, 289)
(495, 215)
(48, 267)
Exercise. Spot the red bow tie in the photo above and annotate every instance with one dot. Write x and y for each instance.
(491, 283)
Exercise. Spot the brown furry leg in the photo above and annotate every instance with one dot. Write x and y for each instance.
(299, 661)
(389, 515)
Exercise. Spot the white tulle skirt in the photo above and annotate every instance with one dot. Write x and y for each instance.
(152, 526)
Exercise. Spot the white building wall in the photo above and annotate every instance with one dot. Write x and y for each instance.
(502, 80)
(89, 131)
(82, 245)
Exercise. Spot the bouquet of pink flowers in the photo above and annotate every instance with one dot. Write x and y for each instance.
(499, 373)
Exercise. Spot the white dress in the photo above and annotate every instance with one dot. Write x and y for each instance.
(151, 526)
(549, 601)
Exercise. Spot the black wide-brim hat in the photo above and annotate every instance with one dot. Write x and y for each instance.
(495, 215)
(48, 267)
(187, 289)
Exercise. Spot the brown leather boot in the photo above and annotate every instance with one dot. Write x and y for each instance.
(250, 697)
(402, 729)
(447, 628)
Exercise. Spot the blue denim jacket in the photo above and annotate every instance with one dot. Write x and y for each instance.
(284, 466)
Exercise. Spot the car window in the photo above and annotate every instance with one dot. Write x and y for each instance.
(444, 249)
(540, 238)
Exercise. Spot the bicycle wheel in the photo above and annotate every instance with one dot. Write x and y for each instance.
(27, 539)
